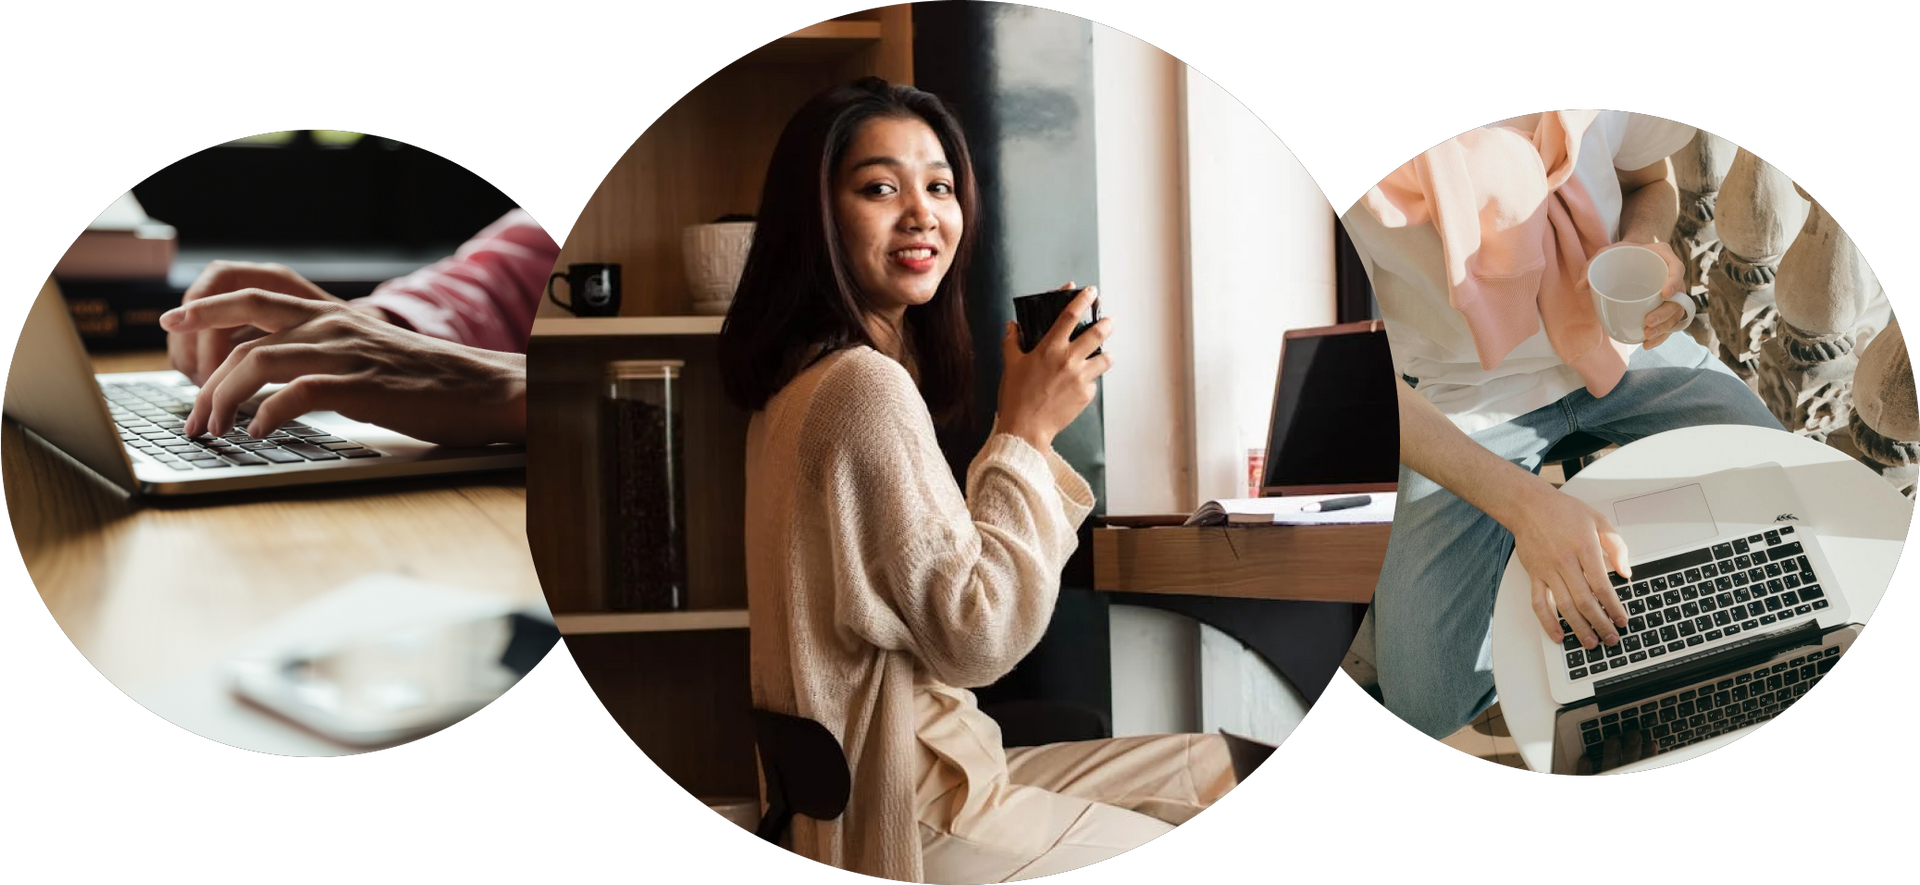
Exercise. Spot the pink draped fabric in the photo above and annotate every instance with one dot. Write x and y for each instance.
(484, 295)
(1517, 229)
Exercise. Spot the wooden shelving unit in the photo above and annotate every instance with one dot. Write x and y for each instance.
(596, 623)
(676, 682)
(632, 327)
(705, 157)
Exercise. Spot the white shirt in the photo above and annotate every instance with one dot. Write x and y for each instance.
(1430, 340)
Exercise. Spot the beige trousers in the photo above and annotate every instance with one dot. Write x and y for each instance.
(1064, 806)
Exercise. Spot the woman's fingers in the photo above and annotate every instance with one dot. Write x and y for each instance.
(1069, 317)
(1091, 340)
(1095, 366)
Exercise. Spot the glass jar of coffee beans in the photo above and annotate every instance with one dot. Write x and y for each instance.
(645, 497)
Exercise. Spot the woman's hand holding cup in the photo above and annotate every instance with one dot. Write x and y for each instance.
(1042, 391)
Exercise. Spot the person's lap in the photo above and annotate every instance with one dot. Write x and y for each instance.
(1430, 623)
(1069, 805)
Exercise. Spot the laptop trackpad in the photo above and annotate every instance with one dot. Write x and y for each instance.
(1664, 519)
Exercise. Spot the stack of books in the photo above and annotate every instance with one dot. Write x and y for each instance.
(114, 278)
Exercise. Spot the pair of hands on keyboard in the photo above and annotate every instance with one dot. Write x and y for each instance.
(334, 357)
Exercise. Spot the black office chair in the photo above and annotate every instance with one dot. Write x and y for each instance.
(805, 770)
(1574, 452)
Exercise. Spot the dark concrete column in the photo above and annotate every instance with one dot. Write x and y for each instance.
(1021, 81)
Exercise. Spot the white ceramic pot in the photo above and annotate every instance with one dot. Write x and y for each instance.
(714, 255)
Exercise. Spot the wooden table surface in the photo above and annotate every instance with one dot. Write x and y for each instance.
(1318, 563)
(149, 589)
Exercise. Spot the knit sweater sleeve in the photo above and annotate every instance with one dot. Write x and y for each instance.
(967, 584)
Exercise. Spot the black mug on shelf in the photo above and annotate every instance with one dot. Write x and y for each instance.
(593, 290)
(1036, 315)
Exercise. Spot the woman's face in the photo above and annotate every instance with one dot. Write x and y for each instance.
(899, 217)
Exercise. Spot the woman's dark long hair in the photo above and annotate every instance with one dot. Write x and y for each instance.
(797, 297)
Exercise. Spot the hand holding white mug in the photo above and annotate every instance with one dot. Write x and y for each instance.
(1627, 271)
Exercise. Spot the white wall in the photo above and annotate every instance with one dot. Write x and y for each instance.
(1155, 657)
(1142, 274)
(1179, 159)
(1261, 234)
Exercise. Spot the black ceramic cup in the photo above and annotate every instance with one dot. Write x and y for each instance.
(1036, 315)
(593, 290)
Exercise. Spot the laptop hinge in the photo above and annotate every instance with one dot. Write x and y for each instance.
(1678, 671)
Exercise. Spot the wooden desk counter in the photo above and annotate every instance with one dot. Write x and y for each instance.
(1321, 563)
(149, 589)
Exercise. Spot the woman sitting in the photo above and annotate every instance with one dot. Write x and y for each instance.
(877, 592)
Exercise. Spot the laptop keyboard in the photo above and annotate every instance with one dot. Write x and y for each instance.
(1703, 596)
(1709, 708)
(151, 418)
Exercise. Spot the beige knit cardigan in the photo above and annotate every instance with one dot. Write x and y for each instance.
(867, 573)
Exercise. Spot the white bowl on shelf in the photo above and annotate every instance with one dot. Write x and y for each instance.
(713, 256)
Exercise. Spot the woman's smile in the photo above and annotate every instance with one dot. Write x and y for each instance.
(897, 212)
(916, 259)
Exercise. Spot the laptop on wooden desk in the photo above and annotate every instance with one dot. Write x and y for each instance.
(1335, 425)
(126, 426)
(1333, 437)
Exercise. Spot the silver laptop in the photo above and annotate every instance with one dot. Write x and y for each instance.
(126, 426)
(1717, 700)
(1720, 563)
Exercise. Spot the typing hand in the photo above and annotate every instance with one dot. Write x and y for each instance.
(1567, 548)
(197, 353)
(332, 357)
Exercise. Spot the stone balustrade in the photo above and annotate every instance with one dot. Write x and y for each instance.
(1793, 308)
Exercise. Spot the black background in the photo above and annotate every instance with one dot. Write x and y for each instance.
(542, 112)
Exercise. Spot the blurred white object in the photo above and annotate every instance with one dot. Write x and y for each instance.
(386, 659)
(121, 244)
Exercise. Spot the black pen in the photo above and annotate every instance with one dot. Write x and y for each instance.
(1347, 503)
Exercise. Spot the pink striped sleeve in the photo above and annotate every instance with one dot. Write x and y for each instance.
(485, 295)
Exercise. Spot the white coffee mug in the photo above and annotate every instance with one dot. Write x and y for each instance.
(1626, 283)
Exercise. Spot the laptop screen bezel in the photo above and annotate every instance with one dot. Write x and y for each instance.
(1268, 488)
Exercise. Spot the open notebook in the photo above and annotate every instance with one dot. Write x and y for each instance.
(1291, 511)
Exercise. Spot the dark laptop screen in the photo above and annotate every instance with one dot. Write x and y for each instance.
(1335, 419)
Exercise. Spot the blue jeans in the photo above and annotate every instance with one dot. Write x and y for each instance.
(1431, 624)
